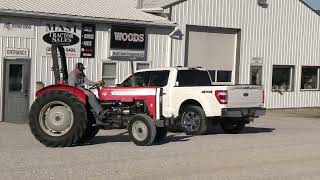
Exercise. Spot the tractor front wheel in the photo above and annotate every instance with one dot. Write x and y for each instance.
(58, 119)
(142, 130)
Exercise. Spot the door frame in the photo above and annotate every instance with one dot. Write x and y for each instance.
(221, 30)
(4, 77)
(256, 66)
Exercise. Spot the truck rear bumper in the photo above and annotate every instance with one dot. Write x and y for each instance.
(243, 112)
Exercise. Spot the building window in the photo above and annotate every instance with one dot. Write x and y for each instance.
(142, 66)
(220, 76)
(282, 78)
(109, 73)
(224, 76)
(310, 78)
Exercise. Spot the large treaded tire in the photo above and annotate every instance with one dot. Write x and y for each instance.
(232, 127)
(91, 130)
(161, 134)
(146, 127)
(203, 123)
(79, 115)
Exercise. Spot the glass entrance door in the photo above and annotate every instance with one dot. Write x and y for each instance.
(256, 75)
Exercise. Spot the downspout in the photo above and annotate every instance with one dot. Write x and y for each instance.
(170, 63)
(139, 4)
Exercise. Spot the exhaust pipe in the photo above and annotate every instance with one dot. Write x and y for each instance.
(55, 64)
(132, 70)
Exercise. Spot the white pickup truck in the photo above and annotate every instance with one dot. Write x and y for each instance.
(191, 101)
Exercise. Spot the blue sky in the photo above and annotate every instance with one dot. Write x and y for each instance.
(313, 3)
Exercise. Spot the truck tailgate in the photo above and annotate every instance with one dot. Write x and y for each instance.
(241, 96)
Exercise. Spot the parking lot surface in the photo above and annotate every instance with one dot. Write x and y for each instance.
(285, 144)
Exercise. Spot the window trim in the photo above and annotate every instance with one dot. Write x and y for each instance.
(110, 77)
(318, 79)
(143, 63)
(215, 81)
(292, 77)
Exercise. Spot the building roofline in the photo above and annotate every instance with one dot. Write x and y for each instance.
(315, 11)
(43, 15)
(173, 4)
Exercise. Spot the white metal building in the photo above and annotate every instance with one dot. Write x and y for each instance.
(272, 42)
(268, 42)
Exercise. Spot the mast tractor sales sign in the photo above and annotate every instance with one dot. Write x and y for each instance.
(66, 34)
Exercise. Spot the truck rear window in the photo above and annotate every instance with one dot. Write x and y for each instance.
(193, 78)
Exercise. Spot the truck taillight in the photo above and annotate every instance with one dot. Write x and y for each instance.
(263, 96)
(222, 96)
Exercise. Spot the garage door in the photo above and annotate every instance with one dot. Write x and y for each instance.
(215, 50)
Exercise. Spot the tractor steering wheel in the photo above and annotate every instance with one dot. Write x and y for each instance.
(97, 86)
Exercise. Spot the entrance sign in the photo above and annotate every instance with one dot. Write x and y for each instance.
(17, 52)
(256, 61)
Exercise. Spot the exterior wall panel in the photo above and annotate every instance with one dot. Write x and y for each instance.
(285, 33)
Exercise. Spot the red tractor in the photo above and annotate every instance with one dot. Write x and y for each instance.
(61, 115)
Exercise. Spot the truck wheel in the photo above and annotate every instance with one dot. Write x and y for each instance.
(58, 119)
(91, 130)
(232, 127)
(194, 121)
(161, 134)
(142, 130)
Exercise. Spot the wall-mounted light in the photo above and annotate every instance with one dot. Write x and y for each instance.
(263, 3)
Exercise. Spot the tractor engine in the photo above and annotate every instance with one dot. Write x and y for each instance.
(121, 112)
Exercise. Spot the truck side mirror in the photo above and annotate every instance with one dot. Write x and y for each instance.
(176, 84)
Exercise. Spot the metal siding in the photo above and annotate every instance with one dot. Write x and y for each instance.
(285, 33)
(158, 47)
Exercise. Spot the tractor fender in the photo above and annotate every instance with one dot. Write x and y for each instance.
(73, 90)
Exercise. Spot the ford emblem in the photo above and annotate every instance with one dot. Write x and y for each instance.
(245, 94)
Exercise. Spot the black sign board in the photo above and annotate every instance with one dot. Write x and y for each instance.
(88, 37)
(126, 37)
(63, 38)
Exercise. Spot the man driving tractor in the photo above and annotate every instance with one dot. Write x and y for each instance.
(78, 79)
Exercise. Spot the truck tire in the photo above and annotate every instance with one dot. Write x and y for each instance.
(161, 134)
(142, 130)
(58, 119)
(232, 127)
(194, 120)
(91, 130)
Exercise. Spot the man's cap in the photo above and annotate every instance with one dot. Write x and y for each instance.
(80, 66)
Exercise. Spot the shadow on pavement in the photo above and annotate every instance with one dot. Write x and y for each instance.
(246, 130)
(124, 137)
(256, 130)
(176, 137)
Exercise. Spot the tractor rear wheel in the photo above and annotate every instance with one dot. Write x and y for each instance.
(91, 130)
(142, 130)
(58, 119)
